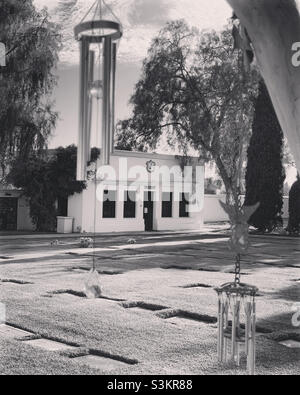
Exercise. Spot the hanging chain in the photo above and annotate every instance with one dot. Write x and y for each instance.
(238, 270)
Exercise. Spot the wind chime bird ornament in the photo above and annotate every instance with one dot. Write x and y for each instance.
(102, 29)
(273, 29)
(237, 300)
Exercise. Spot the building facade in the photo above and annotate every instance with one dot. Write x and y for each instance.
(14, 211)
(140, 192)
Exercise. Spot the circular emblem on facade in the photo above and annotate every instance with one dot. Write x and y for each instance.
(150, 166)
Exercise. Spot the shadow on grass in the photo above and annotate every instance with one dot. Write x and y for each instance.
(80, 294)
(144, 306)
(13, 281)
(291, 293)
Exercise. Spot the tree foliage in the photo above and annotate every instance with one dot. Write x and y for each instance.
(265, 172)
(45, 180)
(126, 139)
(193, 88)
(294, 209)
(27, 81)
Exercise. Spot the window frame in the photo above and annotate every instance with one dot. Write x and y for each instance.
(127, 200)
(186, 204)
(113, 207)
(167, 212)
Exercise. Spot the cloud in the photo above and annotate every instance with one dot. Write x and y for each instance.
(145, 12)
(50, 4)
(141, 19)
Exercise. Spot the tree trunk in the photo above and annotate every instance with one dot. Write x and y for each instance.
(232, 195)
(273, 27)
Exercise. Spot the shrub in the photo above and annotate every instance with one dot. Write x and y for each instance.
(265, 172)
(294, 209)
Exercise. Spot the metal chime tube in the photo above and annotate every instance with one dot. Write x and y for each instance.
(248, 313)
(91, 67)
(106, 111)
(253, 339)
(226, 315)
(238, 326)
(233, 336)
(220, 326)
(113, 101)
(83, 106)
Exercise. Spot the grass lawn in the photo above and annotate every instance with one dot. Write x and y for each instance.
(20, 359)
(160, 280)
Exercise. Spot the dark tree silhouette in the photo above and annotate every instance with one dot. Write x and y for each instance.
(45, 180)
(294, 209)
(26, 82)
(265, 173)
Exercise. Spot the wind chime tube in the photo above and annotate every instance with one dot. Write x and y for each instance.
(83, 101)
(113, 101)
(91, 67)
(248, 311)
(106, 112)
(253, 339)
(220, 326)
(234, 326)
(226, 326)
(238, 325)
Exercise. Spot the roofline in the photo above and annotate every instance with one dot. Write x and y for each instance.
(154, 155)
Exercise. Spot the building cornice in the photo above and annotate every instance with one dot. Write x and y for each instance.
(146, 155)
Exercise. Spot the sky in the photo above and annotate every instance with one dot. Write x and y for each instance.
(141, 20)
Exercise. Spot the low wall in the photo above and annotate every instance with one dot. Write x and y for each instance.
(213, 211)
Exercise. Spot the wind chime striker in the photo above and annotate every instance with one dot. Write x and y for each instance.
(236, 301)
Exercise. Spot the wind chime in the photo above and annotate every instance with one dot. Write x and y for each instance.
(99, 31)
(237, 304)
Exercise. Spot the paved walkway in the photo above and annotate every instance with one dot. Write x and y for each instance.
(207, 228)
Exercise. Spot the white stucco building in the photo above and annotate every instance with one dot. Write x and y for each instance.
(138, 192)
(14, 210)
(135, 196)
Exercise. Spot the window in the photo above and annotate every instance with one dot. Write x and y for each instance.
(109, 204)
(184, 206)
(130, 204)
(62, 207)
(167, 205)
(8, 213)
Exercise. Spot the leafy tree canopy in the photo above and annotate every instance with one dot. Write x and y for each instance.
(44, 180)
(27, 81)
(126, 139)
(193, 88)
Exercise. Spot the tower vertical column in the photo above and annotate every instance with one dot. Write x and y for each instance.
(83, 107)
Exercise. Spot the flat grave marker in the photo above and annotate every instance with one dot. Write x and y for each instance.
(13, 333)
(290, 343)
(49, 345)
(102, 363)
